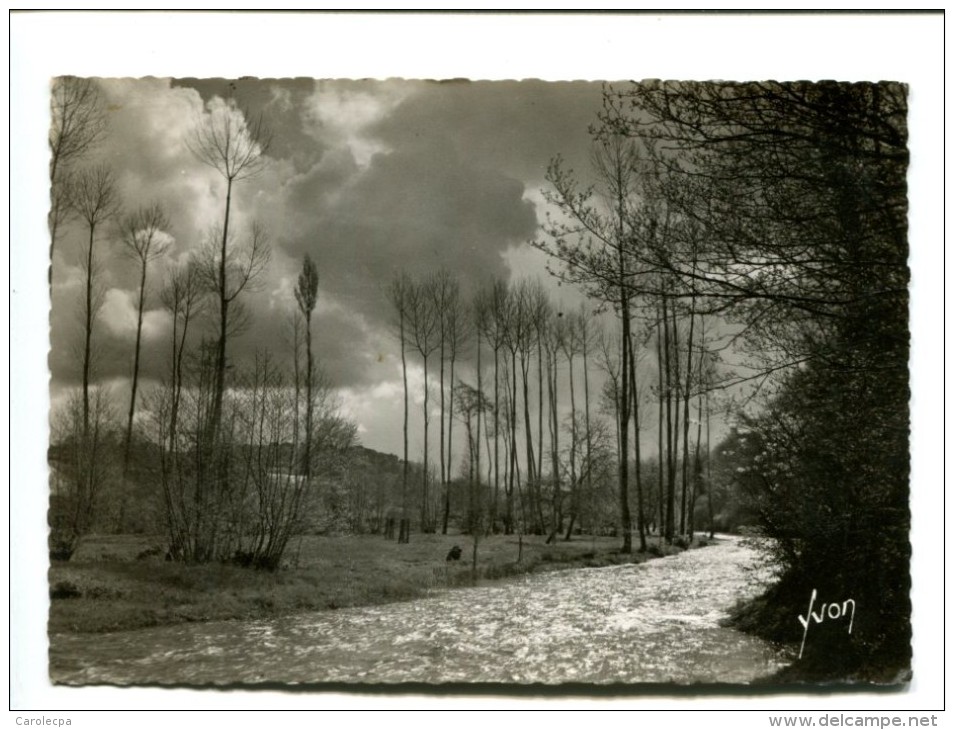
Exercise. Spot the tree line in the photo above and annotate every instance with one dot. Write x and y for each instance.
(780, 210)
(545, 450)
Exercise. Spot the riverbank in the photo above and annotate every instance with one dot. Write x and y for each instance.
(830, 653)
(622, 625)
(121, 582)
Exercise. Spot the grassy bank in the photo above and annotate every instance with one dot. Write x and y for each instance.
(109, 585)
(830, 653)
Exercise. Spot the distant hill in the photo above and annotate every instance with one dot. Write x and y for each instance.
(363, 456)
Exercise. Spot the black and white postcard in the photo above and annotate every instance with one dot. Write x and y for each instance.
(456, 383)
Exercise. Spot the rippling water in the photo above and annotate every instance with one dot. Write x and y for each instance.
(655, 622)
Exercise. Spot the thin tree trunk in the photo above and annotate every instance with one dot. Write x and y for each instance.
(625, 518)
(87, 349)
(589, 435)
(220, 362)
(696, 471)
(404, 531)
(132, 397)
(661, 474)
(670, 471)
(450, 443)
(539, 484)
(480, 408)
(574, 438)
(309, 404)
(54, 225)
(135, 375)
(513, 439)
(675, 427)
(640, 516)
(554, 428)
(443, 462)
(493, 521)
(709, 485)
(531, 466)
(685, 411)
(425, 527)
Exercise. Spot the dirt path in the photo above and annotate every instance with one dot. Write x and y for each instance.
(654, 622)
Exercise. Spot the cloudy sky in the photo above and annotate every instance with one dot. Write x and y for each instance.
(368, 177)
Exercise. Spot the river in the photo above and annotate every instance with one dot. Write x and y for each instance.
(654, 622)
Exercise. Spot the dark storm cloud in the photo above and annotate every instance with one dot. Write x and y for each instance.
(415, 210)
(512, 126)
(368, 177)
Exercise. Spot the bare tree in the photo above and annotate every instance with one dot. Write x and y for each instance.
(457, 331)
(586, 342)
(423, 321)
(145, 238)
(637, 425)
(78, 125)
(536, 312)
(144, 235)
(609, 363)
(240, 272)
(182, 297)
(95, 200)
(444, 292)
(515, 338)
(577, 339)
(553, 344)
(225, 140)
(594, 244)
(542, 312)
(570, 345)
(492, 305)
(528, 298)
(399, 294)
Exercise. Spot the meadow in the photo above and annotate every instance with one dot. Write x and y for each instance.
(120, 582)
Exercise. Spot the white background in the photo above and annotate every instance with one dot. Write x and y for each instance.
(849, 47)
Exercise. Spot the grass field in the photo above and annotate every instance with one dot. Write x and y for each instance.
(107, 587)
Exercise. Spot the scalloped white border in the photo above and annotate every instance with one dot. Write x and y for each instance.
(906, 48)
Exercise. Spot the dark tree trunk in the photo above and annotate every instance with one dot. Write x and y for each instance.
(404, 535)
(685, 412)
(531, 466)
(87, 349)
(220, 361)
(444, 480)
(661, 472)
(450, 443)
(425, 520)
(640, 517)
(670, 470)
